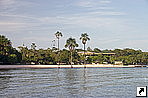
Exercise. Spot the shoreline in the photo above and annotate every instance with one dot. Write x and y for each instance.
(69, 66)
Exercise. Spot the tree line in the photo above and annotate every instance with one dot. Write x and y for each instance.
(9, 55)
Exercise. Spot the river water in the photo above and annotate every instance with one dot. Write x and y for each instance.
(72, 83)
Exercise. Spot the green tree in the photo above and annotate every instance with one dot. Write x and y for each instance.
(89, 49)
(97, 50)
(84, 37)
(58, 35)
(44, 56)
(8, 54)
(12, 58)
(64, 56)
(76, 57)
(25, 54)
(5, 45)
(71, 44)
(33, 53)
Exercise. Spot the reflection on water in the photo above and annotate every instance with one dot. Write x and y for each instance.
(60, 83)
(4, 79)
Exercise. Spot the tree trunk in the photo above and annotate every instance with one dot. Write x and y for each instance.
(58, 52)
(71, 59)
(58, 45)
(84, 57)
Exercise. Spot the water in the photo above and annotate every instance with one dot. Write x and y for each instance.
(72, 83)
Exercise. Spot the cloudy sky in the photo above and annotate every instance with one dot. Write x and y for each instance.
(109, 23)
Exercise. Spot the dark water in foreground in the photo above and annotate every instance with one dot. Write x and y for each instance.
(72, 83)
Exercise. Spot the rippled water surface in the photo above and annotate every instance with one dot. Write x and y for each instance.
(75, 83)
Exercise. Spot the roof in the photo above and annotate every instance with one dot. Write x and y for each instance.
(94, 53)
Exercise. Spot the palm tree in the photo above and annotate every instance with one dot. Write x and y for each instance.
(71, 44)
(58, 35)
(33, 46)
(84, 37)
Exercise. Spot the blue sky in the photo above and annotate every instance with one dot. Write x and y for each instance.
(109, 23)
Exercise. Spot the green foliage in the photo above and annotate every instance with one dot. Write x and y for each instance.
(64, 56)
(89, 49)
(58, 34)
(106, 51)
(8, 54)
(130, 56)
(71, 44)
(97, 50)
(97, 59)
(84, 37)
(37, 56)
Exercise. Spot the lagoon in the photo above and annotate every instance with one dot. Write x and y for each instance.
(72, 82)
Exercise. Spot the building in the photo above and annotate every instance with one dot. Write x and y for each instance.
(95, 54)
(118, 63)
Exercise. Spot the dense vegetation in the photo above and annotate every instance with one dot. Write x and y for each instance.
(9, 55)
(127, 56)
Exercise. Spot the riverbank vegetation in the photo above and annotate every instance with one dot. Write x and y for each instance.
(9, 55)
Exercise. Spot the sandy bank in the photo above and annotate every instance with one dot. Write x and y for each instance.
(62, 66)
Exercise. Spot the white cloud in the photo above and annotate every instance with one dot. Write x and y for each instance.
(13, 26)
(12, 16)
(14, 6)
(16, 22)
(15, 3)
(107, 13)
(105, 2)
(11, 23)
(7, 2)
(87, 20)
(92, 3)
(85, 4)
(104, 8)
(94, 20)
(43, 39)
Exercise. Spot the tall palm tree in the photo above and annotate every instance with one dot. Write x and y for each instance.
(84, 37)
(34, 52)
(71, 44)
(58, 35)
